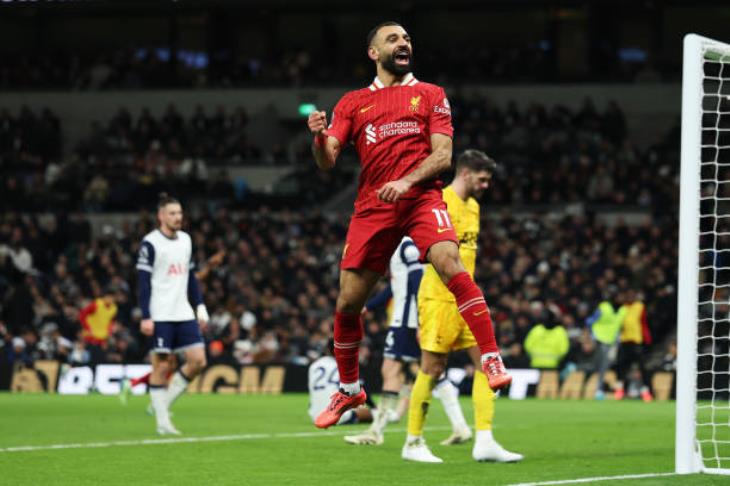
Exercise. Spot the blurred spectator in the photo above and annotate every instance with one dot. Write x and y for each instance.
(79, 355)
(19, 256)
(547, 342)
(217, 354)
(223, 327)
(52, 344)
(635, 335)
(96, 193)
(605, 324)
(583, 355)
(18, 351)
(669, 360)
(97, 319)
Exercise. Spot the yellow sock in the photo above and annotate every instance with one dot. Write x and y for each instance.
(483, 398)
(420, 400)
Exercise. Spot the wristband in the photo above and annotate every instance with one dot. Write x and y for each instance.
(202, 313)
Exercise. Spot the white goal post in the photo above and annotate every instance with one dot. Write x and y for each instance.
(703, 313)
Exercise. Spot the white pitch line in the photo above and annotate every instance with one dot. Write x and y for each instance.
(188, 440)
(596, 479)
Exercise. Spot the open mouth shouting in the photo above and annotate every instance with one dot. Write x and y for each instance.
(402, 56)
(400, 62)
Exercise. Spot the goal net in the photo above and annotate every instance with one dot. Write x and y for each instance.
(703, 364)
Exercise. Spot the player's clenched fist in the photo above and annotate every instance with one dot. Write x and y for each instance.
(317, 122)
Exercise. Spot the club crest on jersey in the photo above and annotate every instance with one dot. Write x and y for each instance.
(176, 269)
(144, 256)
(415, 103)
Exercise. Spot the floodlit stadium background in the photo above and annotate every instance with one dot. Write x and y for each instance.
(105, 104)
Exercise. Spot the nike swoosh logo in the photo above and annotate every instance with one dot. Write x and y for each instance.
(363, 110)
(441, 230)
(476, 314)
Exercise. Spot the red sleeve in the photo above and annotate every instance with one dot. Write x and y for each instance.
(89, 309)
(440, 117)
(341, 123)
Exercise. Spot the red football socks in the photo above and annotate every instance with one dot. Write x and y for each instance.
(348, 334)
(142, 379)
(473, 308)
(146, 379)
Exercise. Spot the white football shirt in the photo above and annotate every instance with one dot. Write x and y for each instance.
(324, 380)
(405, 276)
(169, 260)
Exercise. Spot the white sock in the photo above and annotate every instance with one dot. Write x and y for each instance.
(351, 388)
(404, 399)
(158, 397)
(410, 438)
(449, 396)
(484, 436)
(177, 387)
(388, 402)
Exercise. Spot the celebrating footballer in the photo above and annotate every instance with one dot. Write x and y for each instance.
(401, 129)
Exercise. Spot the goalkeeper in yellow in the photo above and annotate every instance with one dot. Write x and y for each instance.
(442, 328)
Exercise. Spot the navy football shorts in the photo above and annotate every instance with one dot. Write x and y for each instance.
(401, 345)
(173, 336)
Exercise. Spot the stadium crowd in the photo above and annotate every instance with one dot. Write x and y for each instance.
(140, 156)
(272, 295)
(554, 155)
(161, 67)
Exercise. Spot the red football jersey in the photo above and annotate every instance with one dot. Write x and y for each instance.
(391, 129)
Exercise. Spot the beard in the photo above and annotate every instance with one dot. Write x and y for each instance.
(173, 226)
(392, 67)
(477, 193)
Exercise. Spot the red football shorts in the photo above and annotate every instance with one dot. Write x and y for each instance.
(376, 231)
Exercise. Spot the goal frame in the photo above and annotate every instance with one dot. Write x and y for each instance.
(688, 457)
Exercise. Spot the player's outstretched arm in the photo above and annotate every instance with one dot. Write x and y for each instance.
(325, 149)
(212, 263)
(380, 299)
(433, 165)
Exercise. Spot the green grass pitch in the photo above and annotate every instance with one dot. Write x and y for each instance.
(561, 440)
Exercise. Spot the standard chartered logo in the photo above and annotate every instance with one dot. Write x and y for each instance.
(399, 128)
(373, 133)
(370, 134)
